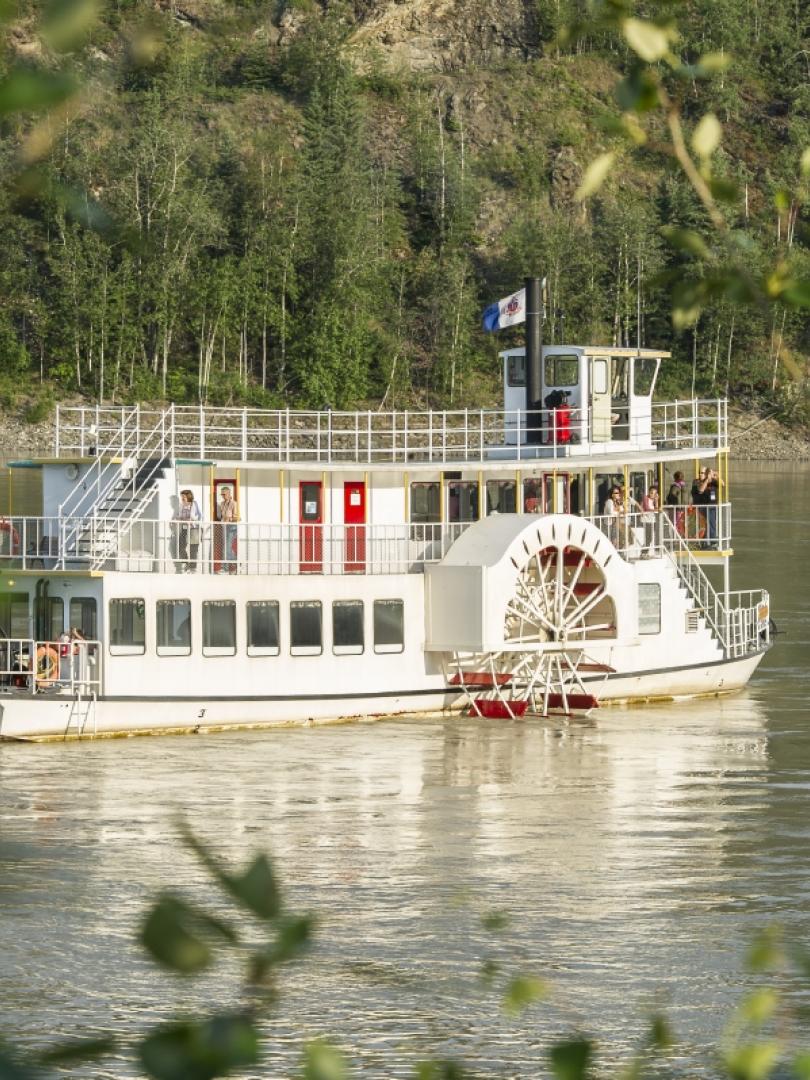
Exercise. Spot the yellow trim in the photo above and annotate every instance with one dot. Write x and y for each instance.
(212, 495)
(626, 475)
(660, 484)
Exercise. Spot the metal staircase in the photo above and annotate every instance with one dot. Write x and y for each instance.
(101, 509)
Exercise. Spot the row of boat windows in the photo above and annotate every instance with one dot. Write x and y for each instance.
(262, 627)
(561, 493)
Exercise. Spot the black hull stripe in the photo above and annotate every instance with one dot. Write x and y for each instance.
(448, 692)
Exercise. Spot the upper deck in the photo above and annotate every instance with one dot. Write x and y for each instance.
(394, 439)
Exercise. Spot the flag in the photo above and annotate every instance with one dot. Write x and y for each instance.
(506, 312)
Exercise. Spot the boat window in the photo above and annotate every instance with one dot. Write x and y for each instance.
(347, 627)
(14, 615)
(173, 627)
(219, 627)
(127, 626)
(501, 496)
(644, 375)
(263, 631)
(425, 503)
(306, 628)
(600, 379)
(649, 608)
(83, 615)
(516, 370)
(56, 617)
(618, 387)
(562, 370)
(462, 500)
(389, 626)
(532, 495)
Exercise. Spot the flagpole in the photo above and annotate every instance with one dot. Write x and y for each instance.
(534, 354)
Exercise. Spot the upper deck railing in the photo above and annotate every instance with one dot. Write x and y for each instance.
(369, 438)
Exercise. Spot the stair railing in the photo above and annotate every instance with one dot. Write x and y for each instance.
(695, 580)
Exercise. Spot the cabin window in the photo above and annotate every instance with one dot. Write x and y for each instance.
(462, 500)
(501, 496)
(600, 379)
(389, 626)
(263, 630)
(83, 615)
(56, 617)
(644, 375)
(173, 627)
(649, 608)
(306, 628)
(532, 495)
(347, 627)
(562, 371)
(618, 387)
(219, 627)
(127, 627)
(425, 503)
(14, 615)
(516, 370)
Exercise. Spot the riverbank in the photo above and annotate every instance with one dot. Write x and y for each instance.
(752, 437)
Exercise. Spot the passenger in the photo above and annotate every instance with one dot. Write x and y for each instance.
(650, 505)
(188, 532)
(705, 493)
(228, 515)
(676, 496)
(614, 509)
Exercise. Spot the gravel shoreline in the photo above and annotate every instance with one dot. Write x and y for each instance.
(752, 438)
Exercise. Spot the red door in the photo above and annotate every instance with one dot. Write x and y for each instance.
(311, 526)
(354, 516)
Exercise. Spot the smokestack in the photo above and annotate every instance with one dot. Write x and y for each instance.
(534, 352)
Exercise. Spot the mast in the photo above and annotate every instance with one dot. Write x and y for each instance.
(534, 352)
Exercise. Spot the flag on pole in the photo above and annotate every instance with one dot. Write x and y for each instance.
(506, 312)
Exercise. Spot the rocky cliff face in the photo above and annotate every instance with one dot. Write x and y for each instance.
(444, 35)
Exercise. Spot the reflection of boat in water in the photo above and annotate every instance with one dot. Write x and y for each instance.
(376, 563)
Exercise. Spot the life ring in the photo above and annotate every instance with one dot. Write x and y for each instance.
(14, 536)
(47, 665)
(691, 523)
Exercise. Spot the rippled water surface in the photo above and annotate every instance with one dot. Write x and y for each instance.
(635, 855)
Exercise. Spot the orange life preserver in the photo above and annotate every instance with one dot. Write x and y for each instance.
(47, 665)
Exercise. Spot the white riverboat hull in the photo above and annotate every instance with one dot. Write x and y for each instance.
(46, 717)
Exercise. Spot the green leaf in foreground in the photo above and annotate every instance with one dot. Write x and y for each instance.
(686, 240)
(322, 1061)
(570, 1060)
(753, 1062)
(440, 1070)
(173, 933)
(27, 91)
(200, 1050)
(523, 991)
(595, 175)
(12, 1069)
(257, 889)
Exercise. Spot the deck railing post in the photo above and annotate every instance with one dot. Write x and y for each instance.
(244, 434)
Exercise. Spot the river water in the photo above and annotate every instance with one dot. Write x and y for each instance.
(634, 856)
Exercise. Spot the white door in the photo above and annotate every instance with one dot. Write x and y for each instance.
(600, 399)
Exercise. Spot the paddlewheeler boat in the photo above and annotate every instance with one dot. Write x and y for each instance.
(369, 564)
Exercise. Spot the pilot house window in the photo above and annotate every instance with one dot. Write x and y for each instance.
(562, 371)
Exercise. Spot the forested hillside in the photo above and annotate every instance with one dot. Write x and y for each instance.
(277, 203)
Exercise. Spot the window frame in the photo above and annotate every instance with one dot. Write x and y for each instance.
(219, 650)
(552, 360)
(129, 649)
(306, 650)
(643, 620)
(80, 621)
(354, 649)
(262, 650)
(172, 650)
(388, 649)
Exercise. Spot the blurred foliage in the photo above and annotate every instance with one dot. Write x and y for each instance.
(251, 925)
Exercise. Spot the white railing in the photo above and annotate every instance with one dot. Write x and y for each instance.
(244, 548)
(32, 543)
(440, 436)
(33, 666)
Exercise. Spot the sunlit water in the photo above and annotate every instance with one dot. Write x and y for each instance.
(635, 854)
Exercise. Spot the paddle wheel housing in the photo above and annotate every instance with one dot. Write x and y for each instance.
(517, 607)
